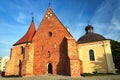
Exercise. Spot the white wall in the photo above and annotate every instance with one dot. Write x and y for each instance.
(3, 63)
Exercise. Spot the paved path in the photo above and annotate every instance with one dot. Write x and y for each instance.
(57, 77)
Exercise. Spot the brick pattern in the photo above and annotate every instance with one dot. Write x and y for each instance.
(53, 44)
(75, 62)
(28, 36)
(43, 43)
(12, 66)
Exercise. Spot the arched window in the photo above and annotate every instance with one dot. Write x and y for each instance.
(91, 55)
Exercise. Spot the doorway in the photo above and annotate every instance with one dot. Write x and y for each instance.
(50, 68)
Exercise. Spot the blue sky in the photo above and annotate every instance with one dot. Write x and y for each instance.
(15, 18)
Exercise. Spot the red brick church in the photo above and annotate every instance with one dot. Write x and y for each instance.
(50, 49)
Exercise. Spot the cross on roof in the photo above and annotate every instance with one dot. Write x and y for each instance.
(32, 16)
(49, 4)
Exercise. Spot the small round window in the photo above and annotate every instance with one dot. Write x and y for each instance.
(50, 34)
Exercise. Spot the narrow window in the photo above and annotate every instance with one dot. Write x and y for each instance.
(91, 55)
(50, 34)
(23, 50)
(48, 54)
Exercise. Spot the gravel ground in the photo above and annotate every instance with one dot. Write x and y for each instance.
(58, 77)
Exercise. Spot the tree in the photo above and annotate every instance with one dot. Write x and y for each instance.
(115, 47)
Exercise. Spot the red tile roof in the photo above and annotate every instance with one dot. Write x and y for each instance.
(28, 36)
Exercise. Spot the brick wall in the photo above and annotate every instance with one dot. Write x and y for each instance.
(50, 38)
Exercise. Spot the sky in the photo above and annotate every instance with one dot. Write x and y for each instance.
(16, 16)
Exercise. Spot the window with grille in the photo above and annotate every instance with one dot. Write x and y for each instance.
(91, 55)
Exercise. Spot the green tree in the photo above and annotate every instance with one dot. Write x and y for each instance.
(115, 47)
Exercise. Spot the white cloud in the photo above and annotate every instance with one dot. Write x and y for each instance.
(78, 29)
(20, 18)
(116, 23)
(5, 46)
(116, 17)
(106, 19)
(16, 5)
(5, 42)
(82, 9)
(11, 28)
(9, 34)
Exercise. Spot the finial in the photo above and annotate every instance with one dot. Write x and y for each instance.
(49, 4)
(88, 22)
(32, 16)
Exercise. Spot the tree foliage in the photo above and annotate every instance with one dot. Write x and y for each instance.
(115, 47)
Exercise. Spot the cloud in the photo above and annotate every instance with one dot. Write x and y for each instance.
(11, 29)
(21, 5)
(5, 48)
(77, 29)
(106, 19)
(21, 17)
(5, 42)
(116, 17)
(9, 34)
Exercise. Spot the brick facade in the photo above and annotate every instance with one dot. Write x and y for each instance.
(51, 46)
(52, 50)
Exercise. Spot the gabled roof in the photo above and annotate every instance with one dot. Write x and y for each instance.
(28, 36)
(48, 15)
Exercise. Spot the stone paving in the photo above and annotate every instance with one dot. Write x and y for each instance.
(57, 77)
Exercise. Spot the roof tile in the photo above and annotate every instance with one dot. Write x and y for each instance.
(28, 36)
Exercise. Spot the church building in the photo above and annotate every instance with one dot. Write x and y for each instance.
(51, 49)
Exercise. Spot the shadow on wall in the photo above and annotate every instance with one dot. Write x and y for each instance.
(100, 65)
(2, 73)
(20, 68)
(63, 66)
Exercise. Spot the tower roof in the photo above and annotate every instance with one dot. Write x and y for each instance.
(90, 36)
(89, 29)
(28, 36)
